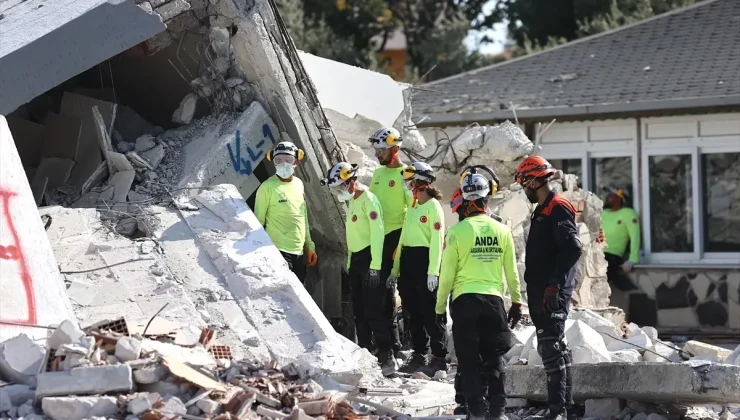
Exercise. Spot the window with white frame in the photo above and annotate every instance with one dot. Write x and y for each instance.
(608, 172)
(720, 176)
(691, 184)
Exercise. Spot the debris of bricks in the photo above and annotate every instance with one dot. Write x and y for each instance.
(102, 372)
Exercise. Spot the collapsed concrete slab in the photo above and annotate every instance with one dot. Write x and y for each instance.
(229, 152)
(643, 382)
(32, 289)
(276, 303)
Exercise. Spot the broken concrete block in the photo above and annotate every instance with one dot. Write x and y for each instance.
(697, 348)
(154, 156)
(639, 341)
(665, 353)
(603, 326)
(144, 143)
(734, 357)
(654, 383)
(208, 406)
(184, 113)
(651, 332)
(603, 407)
(121, 182)
(516, 350)
(85, 381)
(119, 162)
(220, 41)
(66, 333)
(58, 170)
(79, 408)
(150, 374)
(585, 343)
(20, 360)
(16, 394)
(626, 356)
(128, 348)
(5, 403)
(142, 402)
(174, 405)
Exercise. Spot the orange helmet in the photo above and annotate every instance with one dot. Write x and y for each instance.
(456, 200)
(534, 166)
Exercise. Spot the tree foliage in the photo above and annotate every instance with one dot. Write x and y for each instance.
(538, 24)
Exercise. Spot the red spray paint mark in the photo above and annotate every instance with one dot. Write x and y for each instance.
(14, 252)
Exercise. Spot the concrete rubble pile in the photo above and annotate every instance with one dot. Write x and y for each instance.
(625, 371)
(102, 373)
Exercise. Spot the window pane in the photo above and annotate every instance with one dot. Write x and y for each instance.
(614, 171)
(721, 184)
(671, 198)
(570, 166)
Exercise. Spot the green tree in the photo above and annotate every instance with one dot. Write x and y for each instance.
(538, 24)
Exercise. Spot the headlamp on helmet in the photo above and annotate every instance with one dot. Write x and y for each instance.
(339, 174)
(385, 138)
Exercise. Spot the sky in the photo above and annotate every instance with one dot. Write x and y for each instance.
(498, 34)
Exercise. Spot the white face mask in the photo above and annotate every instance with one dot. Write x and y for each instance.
(344, 195)
(284, 170)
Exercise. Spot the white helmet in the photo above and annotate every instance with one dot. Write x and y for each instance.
(420, 171)
(385, 138)
(285, 148)
(339, 174)
(474, 187)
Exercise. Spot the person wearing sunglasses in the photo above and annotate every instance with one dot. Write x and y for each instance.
(365, 237)
(552, 251)
(280, 206)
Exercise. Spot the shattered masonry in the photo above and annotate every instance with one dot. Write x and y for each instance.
(185, 315)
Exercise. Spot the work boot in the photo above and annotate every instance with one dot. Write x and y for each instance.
(557, 415)
(496, 413)
(476, 410)
(416, 362)
(435, 365)
(388, 364)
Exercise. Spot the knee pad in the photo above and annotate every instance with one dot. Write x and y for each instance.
(553, 355)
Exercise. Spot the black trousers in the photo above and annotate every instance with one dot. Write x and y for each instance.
(419, 302)
(615, 275)
(297, 264)
(552, 348)
(389, 246)
(369, 305)
(482, 337)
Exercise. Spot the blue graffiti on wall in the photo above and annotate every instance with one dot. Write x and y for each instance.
(245, 166)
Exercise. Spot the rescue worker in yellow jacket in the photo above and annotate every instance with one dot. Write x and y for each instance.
(416, 270)
(280, 206)
(621, 227)
(388, 185)
(365, 237)
(478, 253)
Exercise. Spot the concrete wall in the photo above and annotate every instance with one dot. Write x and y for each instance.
(31, 289)
(53, 41)
(683, 297)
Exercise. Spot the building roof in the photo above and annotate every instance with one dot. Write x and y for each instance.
(684, 57)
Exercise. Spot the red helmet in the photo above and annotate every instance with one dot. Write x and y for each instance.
(534, 166)
(456, 200)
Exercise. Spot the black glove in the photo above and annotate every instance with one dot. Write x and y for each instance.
(441, 319)
(551, 301)
(373, 278)
(515, 314)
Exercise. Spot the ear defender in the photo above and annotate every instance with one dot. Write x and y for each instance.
(300, 154)
(392, 140)
(269, 155)
(345, 173)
